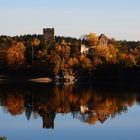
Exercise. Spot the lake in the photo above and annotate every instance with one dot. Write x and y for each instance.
(45, 111)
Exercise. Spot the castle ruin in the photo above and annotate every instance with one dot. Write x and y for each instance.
(48, 34)
(103, 40)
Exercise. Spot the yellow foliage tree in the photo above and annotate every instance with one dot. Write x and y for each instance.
(93, 39)
(35, 42)
(98, 54)
(111, 54)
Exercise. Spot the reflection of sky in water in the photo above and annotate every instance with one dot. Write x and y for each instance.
(125, 126)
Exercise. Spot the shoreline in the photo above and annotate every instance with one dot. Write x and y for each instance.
(124, 80)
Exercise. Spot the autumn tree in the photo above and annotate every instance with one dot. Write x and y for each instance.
(85, 64)
(59, 56)
(42, 57)
(34, 48)
(72, 62)
(128, 60)
(35, 42)
(97, 55)
(73, 65)
(3, 52)
(92, 39)
(16, 54)
(111, 54)
(136, 52)
(15, 104)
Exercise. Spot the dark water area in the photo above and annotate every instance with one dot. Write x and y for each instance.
(81, 111)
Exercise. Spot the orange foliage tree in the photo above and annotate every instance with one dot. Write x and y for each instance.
(16, 54)
(59, 57)
(15, 104)
(128, 60)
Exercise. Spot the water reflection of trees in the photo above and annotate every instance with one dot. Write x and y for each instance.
(87, 105)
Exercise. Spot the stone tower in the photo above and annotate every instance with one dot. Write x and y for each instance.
(49, 34)
(103, 40)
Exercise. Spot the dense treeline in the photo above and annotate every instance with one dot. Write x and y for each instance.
(33, 55)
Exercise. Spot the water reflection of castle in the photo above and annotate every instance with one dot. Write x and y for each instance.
(85, 105)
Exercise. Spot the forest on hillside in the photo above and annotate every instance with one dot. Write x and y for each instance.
(32, 55)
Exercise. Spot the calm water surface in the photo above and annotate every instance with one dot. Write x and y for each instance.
(68, 112)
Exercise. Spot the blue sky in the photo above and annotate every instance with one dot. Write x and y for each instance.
(115, 18)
